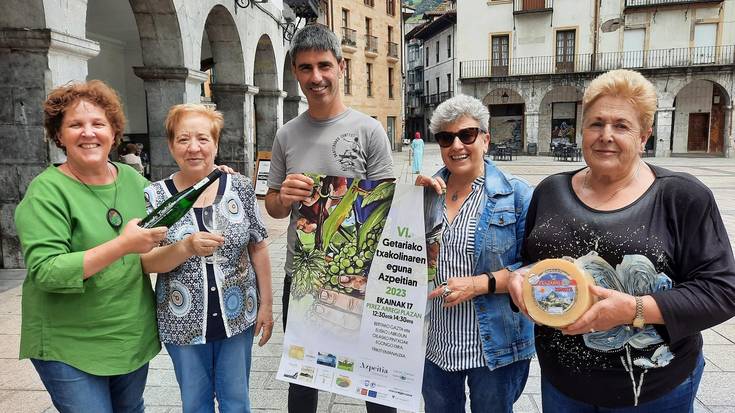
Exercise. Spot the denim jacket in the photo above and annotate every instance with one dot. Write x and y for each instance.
(507, 336)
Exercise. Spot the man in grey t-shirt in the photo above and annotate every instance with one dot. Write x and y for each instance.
(329, 139)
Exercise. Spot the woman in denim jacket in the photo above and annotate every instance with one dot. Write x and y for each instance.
(473, 333)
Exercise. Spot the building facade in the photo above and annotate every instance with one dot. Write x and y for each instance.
(155, 53)
(370, 32)
(432, 66)
(536, 58)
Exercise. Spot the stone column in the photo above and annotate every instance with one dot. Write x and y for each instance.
(727, 127)
(267, 104)
(531, 127)
(23, 151)
(165, 87)
(664, 116)
(236, 140)
(292, 107)
(33, 62)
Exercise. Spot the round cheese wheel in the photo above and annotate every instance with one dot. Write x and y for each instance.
(556, 292)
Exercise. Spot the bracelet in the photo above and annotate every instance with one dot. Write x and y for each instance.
(491, 283)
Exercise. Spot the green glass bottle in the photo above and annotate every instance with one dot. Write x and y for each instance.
(169, 212)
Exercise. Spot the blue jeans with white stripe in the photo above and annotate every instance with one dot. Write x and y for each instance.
(490, 390)
(218, 369)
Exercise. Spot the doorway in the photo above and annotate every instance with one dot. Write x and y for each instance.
(698, 132)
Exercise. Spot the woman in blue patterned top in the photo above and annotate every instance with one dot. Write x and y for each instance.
(474, 336)
(209, 311)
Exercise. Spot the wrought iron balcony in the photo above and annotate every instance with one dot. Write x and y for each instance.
(349, 37)
(417, 87)
(634, 4)
(437, 98)
(580, 63)
(371, 43)
(532, 6)
(393, 50)
(307, 9)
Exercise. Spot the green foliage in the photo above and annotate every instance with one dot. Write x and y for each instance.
(309, 266)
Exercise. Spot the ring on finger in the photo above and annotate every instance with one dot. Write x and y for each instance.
(446, 291)
(592, 330)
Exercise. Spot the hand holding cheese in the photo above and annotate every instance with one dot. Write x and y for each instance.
(556, 292)
(612, 309)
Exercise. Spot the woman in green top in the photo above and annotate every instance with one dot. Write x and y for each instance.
(89, 320)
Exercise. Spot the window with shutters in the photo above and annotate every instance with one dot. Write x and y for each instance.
(369, 69)
(500, 55)
(565, 44)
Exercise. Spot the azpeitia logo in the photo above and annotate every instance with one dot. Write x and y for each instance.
(373, 368)
(346, 150)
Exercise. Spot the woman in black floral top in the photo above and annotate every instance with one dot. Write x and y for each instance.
(209, 311)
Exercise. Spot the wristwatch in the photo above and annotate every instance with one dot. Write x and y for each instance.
(639, 321)
(491, 283)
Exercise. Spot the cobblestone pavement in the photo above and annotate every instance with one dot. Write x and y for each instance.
(22, 391)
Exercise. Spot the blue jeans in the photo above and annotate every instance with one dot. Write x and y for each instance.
(678, 400)
(490, 390)
(218, 369)
(73, 390)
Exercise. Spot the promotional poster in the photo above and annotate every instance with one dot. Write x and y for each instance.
(365, 255)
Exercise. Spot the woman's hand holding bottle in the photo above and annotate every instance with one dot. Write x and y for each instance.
(139, 240)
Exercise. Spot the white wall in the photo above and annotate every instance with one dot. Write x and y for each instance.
(668, 27)
(533, 34)
(445, 65)
(695, 97)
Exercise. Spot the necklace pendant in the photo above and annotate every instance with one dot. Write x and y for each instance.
(114, 218)
(454, 197)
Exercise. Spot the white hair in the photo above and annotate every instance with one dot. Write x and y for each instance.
(457, 107)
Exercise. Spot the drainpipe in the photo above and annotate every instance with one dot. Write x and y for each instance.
(596, 27)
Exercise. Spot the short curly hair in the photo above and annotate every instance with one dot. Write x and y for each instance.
(629, 85)
(95, 92)
(177, 113)
(458, 107)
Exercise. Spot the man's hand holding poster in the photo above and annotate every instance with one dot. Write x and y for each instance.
(358, 296)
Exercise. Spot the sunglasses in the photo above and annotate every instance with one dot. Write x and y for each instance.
(467, 136)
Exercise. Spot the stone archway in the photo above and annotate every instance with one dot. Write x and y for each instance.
(269, 99)
(560, 116)
(292, 102)
(700, 118)
(222, 54)
(507, 116)
(112, 25)
(166, 79)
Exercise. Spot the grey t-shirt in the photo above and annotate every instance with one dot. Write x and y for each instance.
(350, 144)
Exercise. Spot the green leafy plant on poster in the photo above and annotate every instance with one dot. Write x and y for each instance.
(338, 229)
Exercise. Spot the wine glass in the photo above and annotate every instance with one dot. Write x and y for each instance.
(216, 222)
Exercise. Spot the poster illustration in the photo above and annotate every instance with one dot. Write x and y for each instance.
(365, 253)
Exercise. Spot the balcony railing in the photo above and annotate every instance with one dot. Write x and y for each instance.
(532, 6)
(415, 87)
(645, 59)
(349, 37)
(656, 3)
(371, 43)
(369, 86)
(437, 98)
(393, 50)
